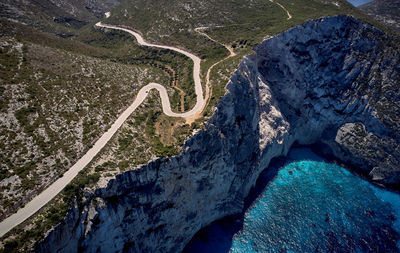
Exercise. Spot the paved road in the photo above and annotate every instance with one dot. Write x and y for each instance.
(163, 92)
(49, 193)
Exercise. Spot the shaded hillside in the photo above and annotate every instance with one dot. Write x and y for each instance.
(385, 11)
(56, 16)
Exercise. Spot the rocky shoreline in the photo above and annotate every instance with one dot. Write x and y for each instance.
(327, 81)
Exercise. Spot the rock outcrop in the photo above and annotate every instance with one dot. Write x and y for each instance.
(332, 81)
(384, 11)
(334, 71)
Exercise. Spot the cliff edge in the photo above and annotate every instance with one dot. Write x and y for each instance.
(333, 82)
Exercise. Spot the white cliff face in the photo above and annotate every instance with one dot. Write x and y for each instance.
(305, 85)
(334, 71)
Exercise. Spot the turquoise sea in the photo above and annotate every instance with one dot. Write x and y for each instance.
(310, 206)
(358, 2)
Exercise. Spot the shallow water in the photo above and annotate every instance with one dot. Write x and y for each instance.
(310, 206)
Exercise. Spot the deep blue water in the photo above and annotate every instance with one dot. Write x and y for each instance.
(310, 206)
(358, 2)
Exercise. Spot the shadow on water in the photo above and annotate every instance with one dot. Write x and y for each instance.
(217, 237)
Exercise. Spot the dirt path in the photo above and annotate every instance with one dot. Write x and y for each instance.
(283, 8)
(208, 94)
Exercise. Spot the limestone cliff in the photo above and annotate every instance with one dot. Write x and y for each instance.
(337, 73)
(332, 81)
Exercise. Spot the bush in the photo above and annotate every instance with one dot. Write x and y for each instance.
(99, 168)
(22, 115)
(23, 171)
(4, 174)
(123, 165)
(10, 246)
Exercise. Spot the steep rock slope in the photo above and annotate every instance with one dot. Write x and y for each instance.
(339, 73)
(329, 81)
(385, 11)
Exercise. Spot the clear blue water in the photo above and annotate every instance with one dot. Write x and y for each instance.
(310, 206)
(358, 2)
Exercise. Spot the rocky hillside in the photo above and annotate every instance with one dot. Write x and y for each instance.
(385, 11)
(332, 82)
(57, 96)
(244, 23)
(345, 93)
(58, 16)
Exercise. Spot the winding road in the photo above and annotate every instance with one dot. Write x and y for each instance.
(166, 106)
(49, 193)
(54, 189)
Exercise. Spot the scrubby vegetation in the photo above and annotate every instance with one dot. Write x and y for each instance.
(55, 104)
(136, 143)
(237, 21)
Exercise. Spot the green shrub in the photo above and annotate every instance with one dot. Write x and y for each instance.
(11, 246)
(123, 165)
